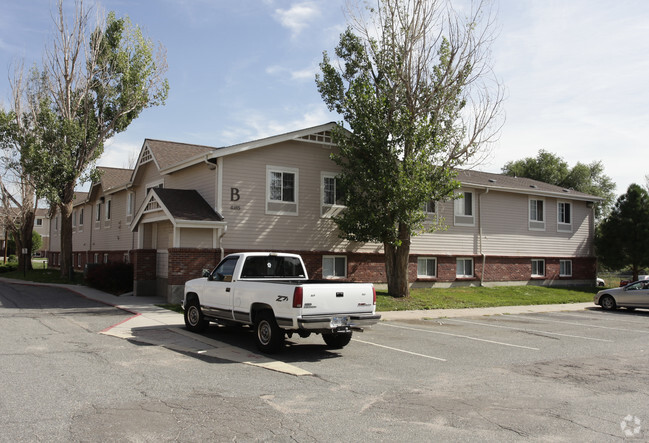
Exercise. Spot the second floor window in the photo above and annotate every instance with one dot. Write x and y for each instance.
(332, 194)
(282, 186)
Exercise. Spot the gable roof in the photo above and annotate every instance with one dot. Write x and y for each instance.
(519, 185)
(113, 178)
(320, 134)
(183, 207)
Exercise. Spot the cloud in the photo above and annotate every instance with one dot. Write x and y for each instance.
(300, 74)
(298, 16)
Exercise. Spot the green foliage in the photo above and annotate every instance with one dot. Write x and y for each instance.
(403, 95)
(622, 239)
(37, 241)
(481, 297)
(552, 169)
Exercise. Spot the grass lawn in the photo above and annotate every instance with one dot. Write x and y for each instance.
(43, 276)
(478, 297)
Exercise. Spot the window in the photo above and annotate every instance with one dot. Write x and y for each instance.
(538, 267)
(81, 217)
(331, 193)
(464, 209)
(56, 223)
(74, 219)
(39, 222)
(78, 260)
(129, 204)
(225, 269)
(282, 186)
(105, 258)
(96, 257)
(98, 212)
(537, 214)
(108, 204)
(334, 266)
(564, 216)
(464, 268)
(282, 191)
(565, 268)
(426, 267)
(430, 207)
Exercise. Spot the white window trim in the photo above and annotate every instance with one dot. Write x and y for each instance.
(427, 259)
(296, 193)
(130, 204)
(565, 275)
(428, 213)
(464, 275)
(542, 260)
(567, 227)
(529, 214)
(459, 204)
(333, 257)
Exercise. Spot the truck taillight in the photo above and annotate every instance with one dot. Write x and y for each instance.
(374, 295)
(297, 297)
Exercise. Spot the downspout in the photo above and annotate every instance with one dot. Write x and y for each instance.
(484, 256)
(223, 232)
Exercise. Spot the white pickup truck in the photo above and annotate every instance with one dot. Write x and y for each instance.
(272, 293)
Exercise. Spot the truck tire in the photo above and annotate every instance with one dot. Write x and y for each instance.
(269, 337)
(194, 319)
(337, 341)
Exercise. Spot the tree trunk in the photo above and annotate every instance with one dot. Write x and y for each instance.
(26, 230)
(67, 271)
(396, 264)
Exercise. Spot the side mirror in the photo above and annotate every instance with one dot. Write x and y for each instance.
(206, 273)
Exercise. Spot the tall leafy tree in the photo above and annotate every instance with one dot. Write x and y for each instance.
(552, 169)
(409, 79)
(622, 238)
(18, 136)
(99, 79)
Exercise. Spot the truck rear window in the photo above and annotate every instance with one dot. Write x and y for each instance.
(271, 266)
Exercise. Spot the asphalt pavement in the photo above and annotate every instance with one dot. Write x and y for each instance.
(154, 325)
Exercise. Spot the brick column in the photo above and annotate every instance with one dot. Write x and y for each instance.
(144, 272)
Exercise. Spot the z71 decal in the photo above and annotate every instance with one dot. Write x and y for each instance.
(282, 298)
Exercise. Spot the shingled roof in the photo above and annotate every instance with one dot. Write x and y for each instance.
(518, 184)
(167, 153)
(112, 178)
(186, 204)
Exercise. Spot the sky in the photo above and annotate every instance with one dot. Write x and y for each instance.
(576, 74)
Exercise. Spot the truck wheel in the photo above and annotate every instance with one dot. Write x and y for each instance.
(269, 337)
(194, 319)
(337, 341)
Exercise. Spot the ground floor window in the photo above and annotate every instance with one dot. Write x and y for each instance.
(565, 268)
(426, 267)
(464, 268)
(334, 266)
(538, 267)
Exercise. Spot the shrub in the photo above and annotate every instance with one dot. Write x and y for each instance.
(116, 278)
(8, 267)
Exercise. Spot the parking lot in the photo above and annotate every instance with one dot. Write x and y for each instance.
(554, 376)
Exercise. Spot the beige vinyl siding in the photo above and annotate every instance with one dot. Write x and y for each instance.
(199, 177)
(505, 230)
(113, 235)
(249, 225)
(196, 238)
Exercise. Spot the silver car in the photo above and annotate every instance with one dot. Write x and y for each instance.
(634, 295)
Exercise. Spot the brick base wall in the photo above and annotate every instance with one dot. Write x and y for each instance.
(188, 263)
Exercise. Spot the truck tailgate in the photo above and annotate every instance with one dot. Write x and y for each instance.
(337, 298)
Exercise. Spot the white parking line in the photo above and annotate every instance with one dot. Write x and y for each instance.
(579, 324)
(398, 350)
(527, 330)
(461, 336)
